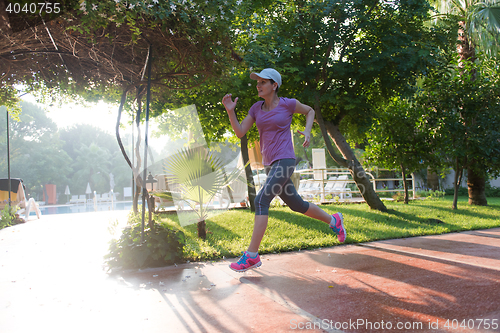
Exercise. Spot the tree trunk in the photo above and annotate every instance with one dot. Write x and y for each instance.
(363, 182)
(456, 183)
(120, 144)
(349, 160)
(202, 231)
(476, 182)
(151, 209)
(465, 48)
(137, 194)
(432, 180)
(117, 129)
(405, 184)
(248, 172)
(454, 205)
(138, 178)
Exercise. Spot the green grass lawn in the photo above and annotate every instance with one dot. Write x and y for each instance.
(230, 232)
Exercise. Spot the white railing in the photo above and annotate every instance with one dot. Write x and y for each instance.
(322, 176)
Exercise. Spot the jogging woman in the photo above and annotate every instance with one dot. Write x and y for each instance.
(273, 117)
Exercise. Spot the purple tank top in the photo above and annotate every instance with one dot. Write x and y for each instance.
(274, 130)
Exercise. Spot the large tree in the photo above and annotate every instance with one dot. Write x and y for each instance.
(479, 29)
(85, 134)
(36, 152)
(342, 58)
(399, 138)
(463, 108)
(76, 142)
(92, 166)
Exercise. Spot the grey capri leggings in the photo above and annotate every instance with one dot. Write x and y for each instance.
(278, 183)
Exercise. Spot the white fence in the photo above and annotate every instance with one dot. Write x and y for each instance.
(335, 181)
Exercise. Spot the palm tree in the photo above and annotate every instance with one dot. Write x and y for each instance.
(479, 30)
(479, 22)
(198, 176)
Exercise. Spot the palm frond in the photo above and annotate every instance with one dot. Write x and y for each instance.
(198, 176)
(485, 27)
(489, 15)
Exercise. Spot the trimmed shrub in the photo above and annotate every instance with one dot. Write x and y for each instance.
(162, 246)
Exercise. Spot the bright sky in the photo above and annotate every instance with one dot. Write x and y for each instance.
(100, 115)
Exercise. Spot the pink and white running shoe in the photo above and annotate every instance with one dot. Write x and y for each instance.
(337, 225)
(245, 263)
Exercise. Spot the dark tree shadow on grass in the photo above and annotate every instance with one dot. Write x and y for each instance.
(465, 212)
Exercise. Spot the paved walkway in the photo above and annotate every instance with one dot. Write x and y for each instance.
(52, 280)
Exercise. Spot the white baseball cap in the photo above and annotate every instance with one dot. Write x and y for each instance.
(267, 73)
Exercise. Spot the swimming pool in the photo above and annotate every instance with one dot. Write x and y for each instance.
(68, 209)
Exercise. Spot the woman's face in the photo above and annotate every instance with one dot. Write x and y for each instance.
(264, 87)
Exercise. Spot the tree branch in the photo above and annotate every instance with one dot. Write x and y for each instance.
(118, 138)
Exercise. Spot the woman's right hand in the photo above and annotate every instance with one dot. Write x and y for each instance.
(228, 102)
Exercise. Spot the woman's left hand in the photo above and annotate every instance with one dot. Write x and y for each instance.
(307, 138)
